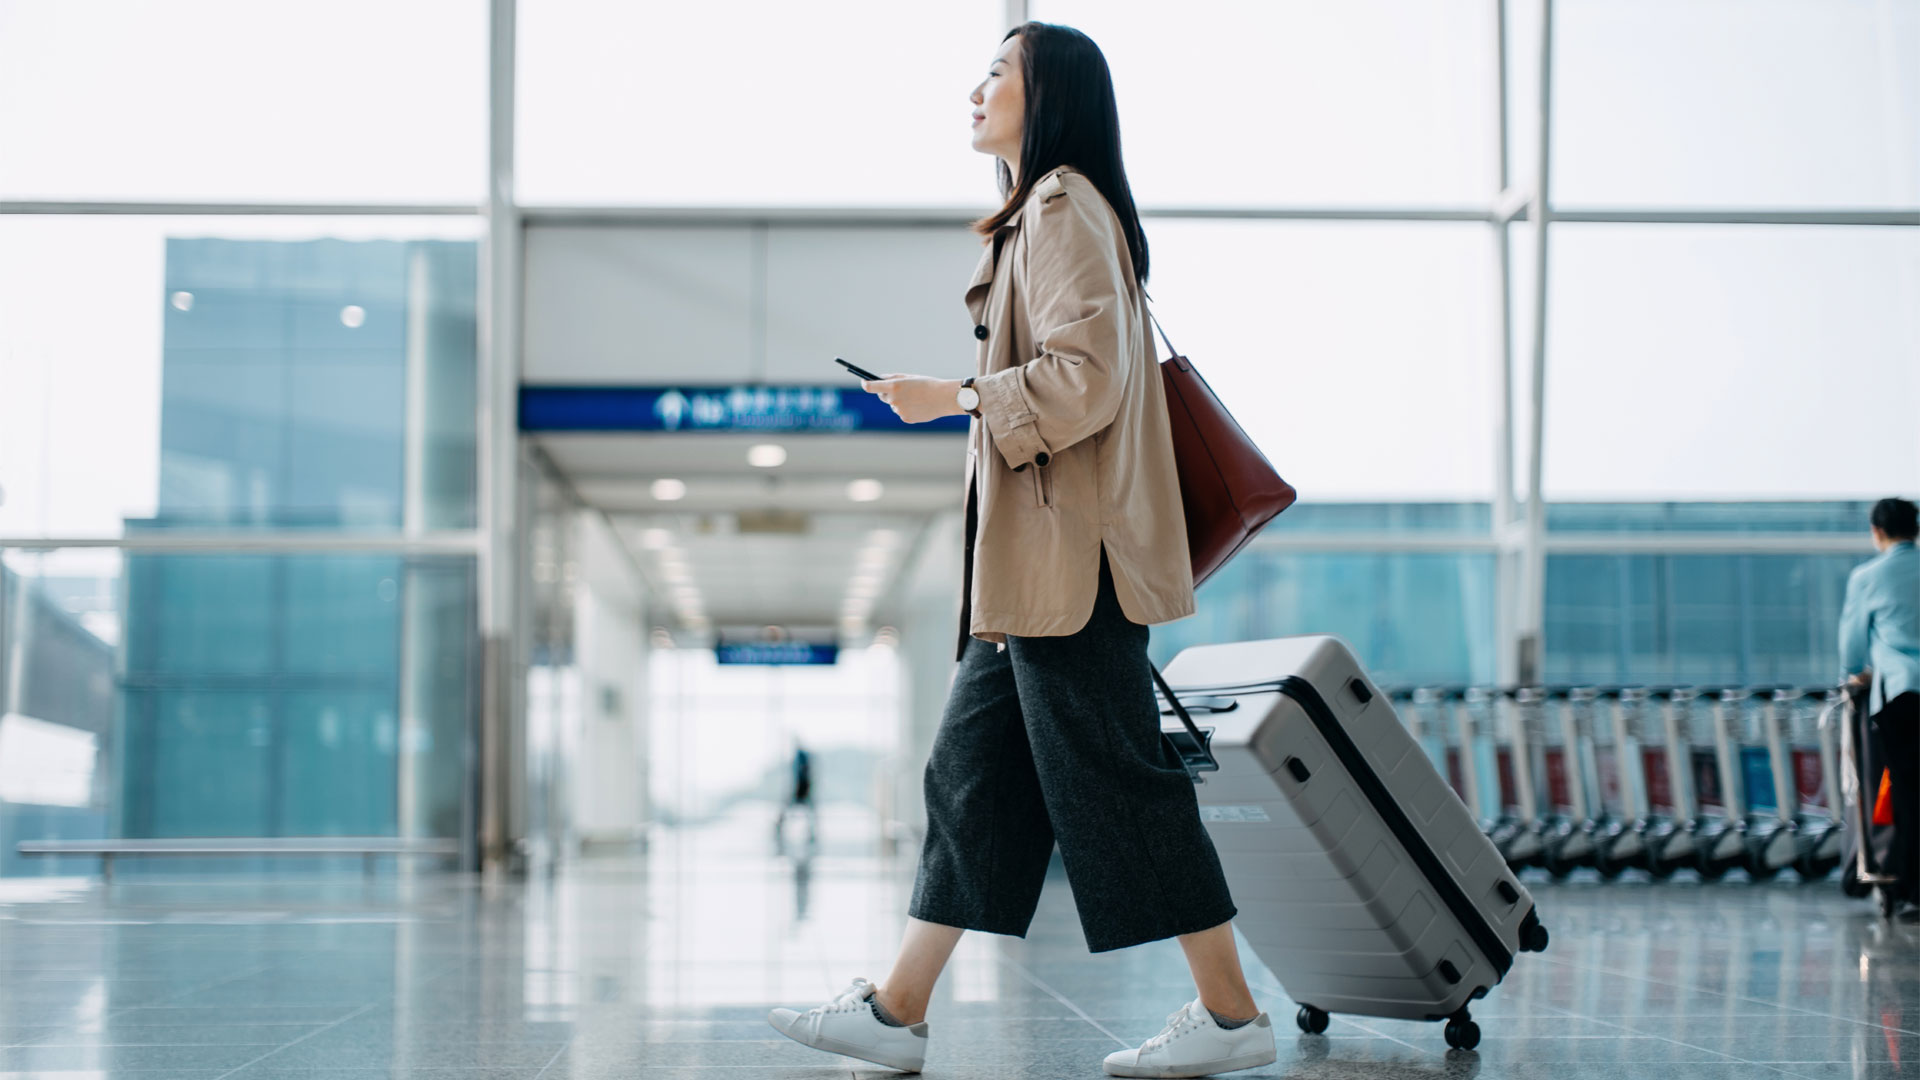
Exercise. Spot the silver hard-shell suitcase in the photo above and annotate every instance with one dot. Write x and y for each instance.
(1361, 879)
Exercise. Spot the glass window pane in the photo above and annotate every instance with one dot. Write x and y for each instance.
(1413, 619)
(1778, 516)
(229, 100)
(211, 373)
(1360, 356)
(1359, 102)
(1695, 619)
(1692, 362)
(858, 102)
(220, 695)
(1726, 102)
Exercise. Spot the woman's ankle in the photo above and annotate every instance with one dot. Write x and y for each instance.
(907, 1012)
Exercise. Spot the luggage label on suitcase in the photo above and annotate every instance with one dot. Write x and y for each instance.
(1365, 883)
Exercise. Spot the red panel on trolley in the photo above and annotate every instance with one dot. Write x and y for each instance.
(1653, 759)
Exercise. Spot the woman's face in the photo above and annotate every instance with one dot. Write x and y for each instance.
(999, 105)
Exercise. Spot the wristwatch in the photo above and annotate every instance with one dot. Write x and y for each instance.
(968, 398)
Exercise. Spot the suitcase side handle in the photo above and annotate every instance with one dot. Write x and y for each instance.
(1193, 745)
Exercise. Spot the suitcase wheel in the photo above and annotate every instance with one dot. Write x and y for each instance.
(1311, 1020)
(1462, 1034)
(1533, 936)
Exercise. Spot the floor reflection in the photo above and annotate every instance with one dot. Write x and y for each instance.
(663, 964)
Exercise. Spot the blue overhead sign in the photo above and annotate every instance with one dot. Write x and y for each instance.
(714, 408)
(777, 653)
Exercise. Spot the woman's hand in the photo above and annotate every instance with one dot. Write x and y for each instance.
(916, 398)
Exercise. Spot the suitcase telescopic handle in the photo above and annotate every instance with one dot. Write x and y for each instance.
(1194, 746)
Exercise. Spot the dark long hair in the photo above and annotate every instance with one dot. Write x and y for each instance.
(1071, 119)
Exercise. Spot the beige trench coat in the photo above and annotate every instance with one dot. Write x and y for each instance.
(1072, 449)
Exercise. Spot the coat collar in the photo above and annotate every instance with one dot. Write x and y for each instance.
(1047, 187)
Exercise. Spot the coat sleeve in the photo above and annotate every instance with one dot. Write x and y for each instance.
(1075, 293)
(1854, 616)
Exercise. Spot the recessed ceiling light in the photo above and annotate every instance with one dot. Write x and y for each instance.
(865, 490)
(667, 490)
(353, 316)
(656, 539)
(767, 455)
(183, 301)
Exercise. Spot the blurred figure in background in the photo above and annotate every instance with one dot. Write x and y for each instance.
(800, 799)
(1880, 648)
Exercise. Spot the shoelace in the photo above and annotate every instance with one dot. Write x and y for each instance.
(853, 997)
(1179, 1022)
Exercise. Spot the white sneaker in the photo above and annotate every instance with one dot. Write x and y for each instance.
(1193, 1045)
(847, 1025)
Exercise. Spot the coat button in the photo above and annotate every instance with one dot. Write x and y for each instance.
(980, 332)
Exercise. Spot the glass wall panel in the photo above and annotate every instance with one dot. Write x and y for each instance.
(837, 102)
(236, 373)
(1726, 362)
(1361, 357)
(1790, 103)
(191, 695)
(235, 101)
(1695, 619)
(1359, 102)
(1713, 517)
(1412, 618)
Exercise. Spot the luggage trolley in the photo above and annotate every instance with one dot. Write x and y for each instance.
(1568, 843)
(1721, 829)
(1866, 844)
(1517, 721)
(1816, 785)
(1621, 764)
(1672, 805)
(1774, 833)
(1477, 752)
(1419, 707)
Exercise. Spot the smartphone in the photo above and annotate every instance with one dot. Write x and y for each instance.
(857, 370)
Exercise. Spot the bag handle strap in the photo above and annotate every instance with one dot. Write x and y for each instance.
(1200, 758)
(1155, 319)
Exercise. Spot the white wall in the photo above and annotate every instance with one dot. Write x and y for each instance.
(610, 796)
(734, 303)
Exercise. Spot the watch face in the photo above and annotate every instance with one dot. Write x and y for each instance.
(969, 398)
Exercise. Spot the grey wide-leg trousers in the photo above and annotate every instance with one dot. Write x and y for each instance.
(1060, 737)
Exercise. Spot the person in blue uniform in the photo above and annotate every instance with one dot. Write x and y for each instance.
(1880, 648)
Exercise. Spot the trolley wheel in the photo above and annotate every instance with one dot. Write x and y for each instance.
(1815, 867)
(1758, 869)
(1887, 901)
(1463, 1034)
(1608, 867)
(1851, 884)
(1713, 869)
(1660, 869)
(1556, 867)
(1311, 1020)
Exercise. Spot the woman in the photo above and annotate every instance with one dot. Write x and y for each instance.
(1075, 542)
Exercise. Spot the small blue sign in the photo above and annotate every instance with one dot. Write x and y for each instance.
(776, 653)
(827, 409)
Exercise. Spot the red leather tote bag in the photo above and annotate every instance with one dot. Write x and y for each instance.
(1227, 487)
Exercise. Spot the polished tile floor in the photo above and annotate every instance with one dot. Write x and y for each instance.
(663, 965)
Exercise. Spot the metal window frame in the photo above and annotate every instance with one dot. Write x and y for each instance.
(1519, 537)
